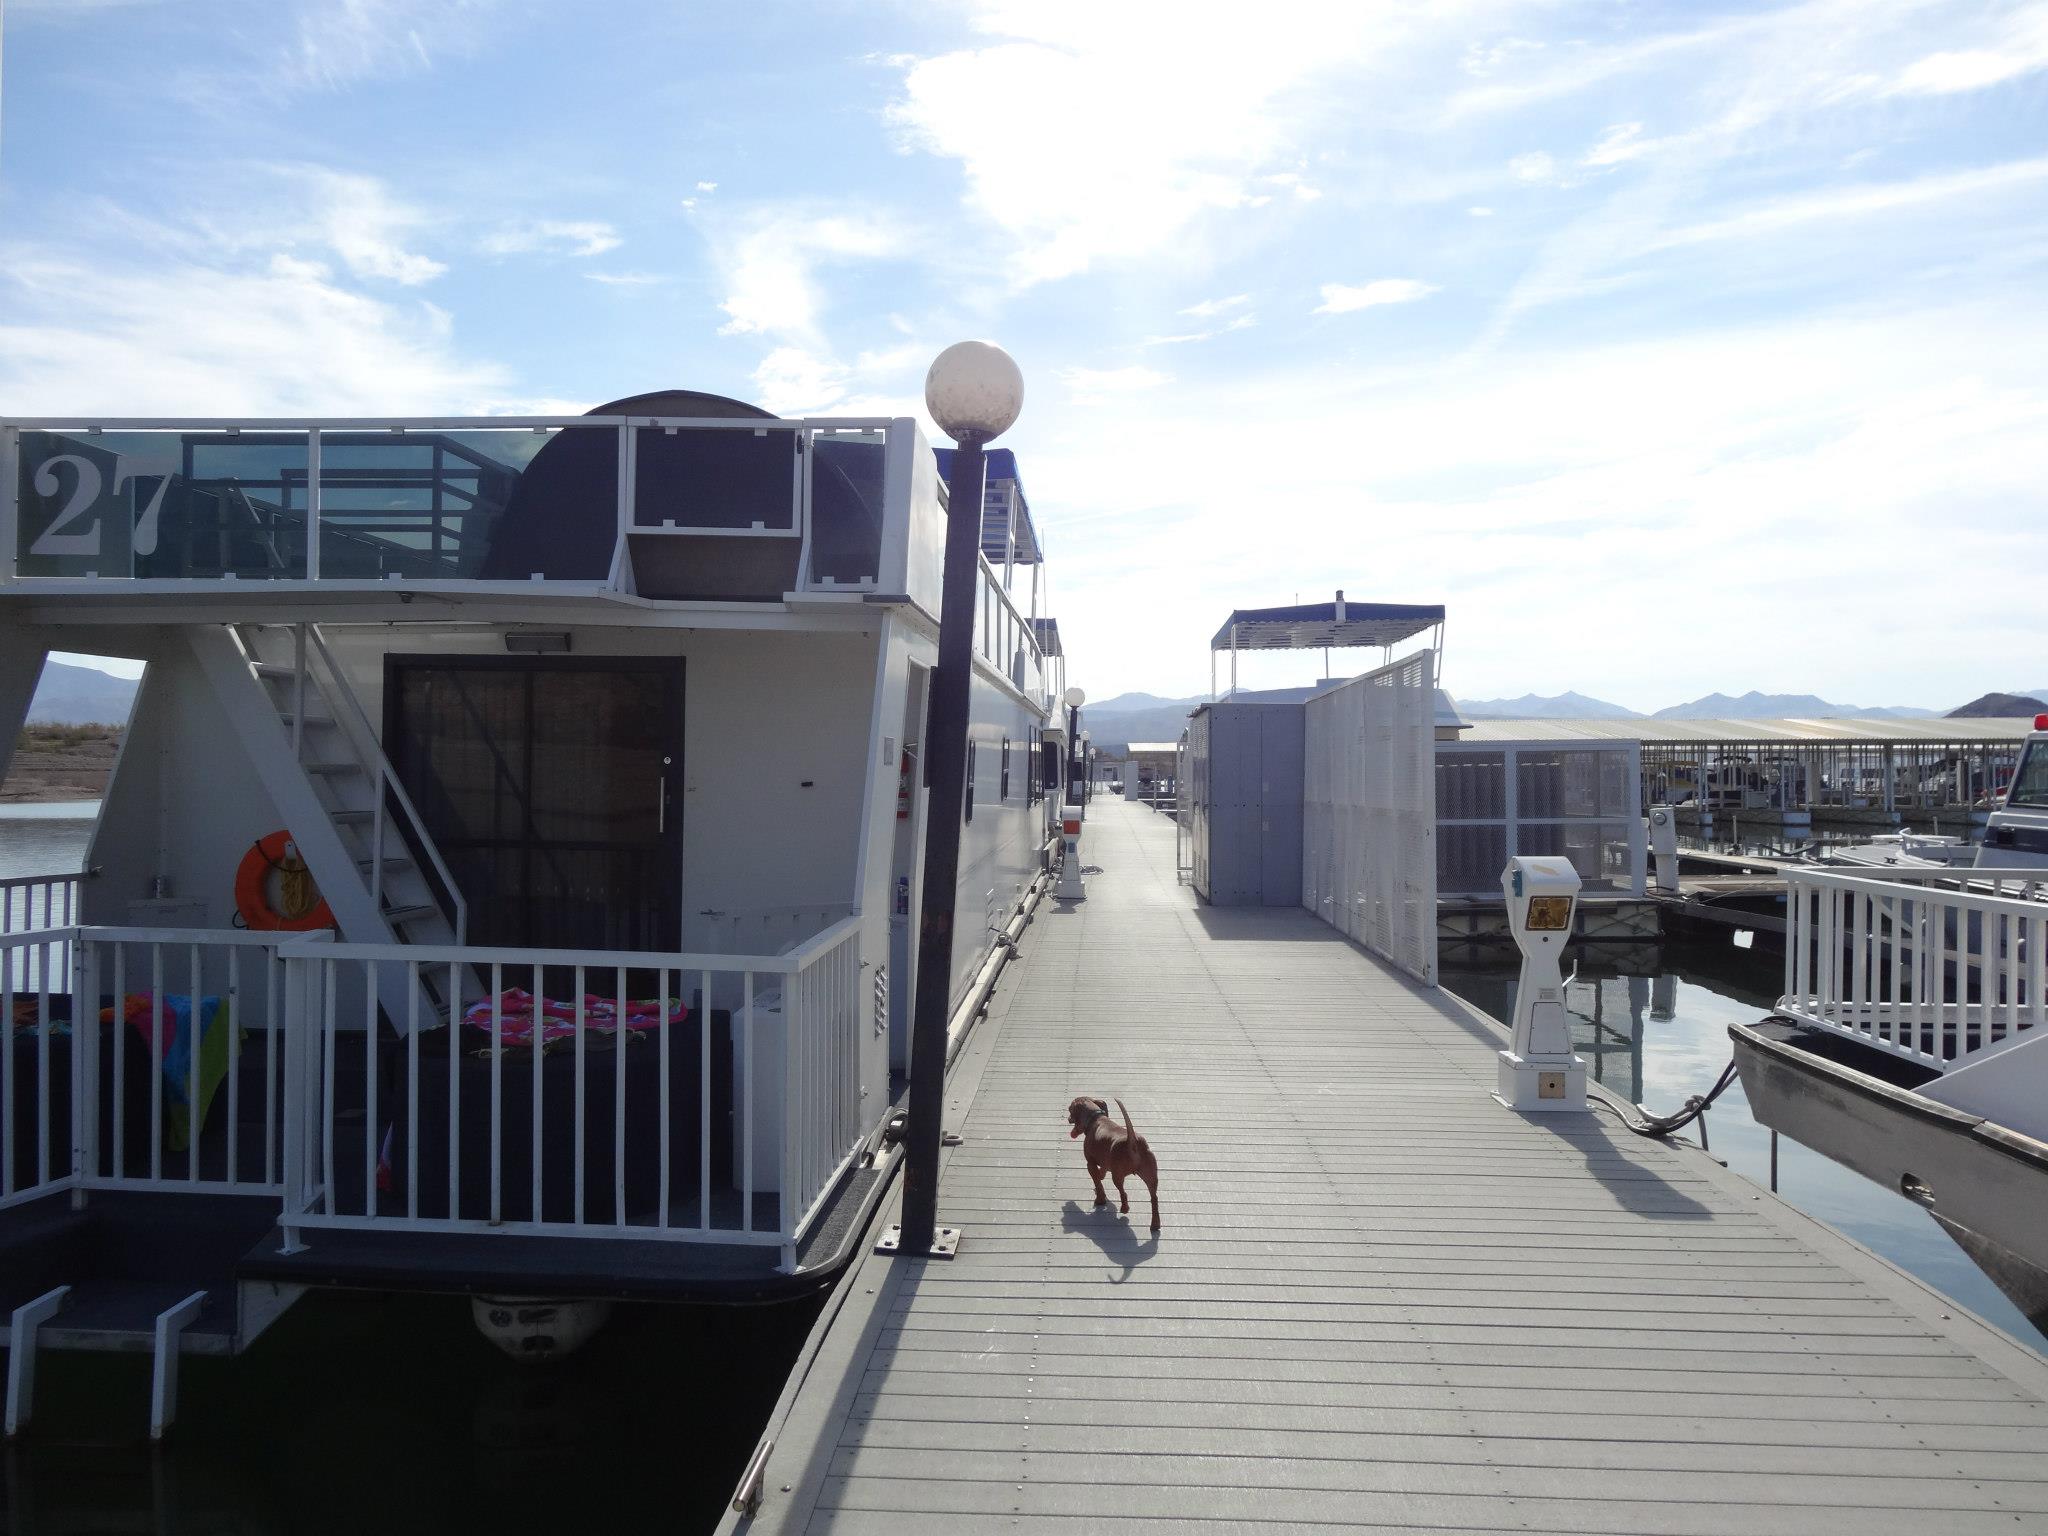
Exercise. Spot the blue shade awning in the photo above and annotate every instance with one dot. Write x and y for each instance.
(1002, 504)
(1311, 626)
(1048, 633)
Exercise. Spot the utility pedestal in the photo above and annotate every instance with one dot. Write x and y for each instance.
(1664, 847)
(1539, 1071)
(1070, 888)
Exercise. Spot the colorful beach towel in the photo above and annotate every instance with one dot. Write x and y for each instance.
(517, 1013)
(165, 1025)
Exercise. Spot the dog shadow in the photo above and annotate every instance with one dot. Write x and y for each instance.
(1114, 1233)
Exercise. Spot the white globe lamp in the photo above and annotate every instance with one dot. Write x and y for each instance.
(974, 391)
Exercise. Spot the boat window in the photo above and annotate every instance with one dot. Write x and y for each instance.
(701, 477)
(848, 472)
(968, 815)
(1004, 794)
(163, 504)
(2030, 779)
(420, 504)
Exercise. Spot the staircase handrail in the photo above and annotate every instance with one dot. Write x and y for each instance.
(371, 751)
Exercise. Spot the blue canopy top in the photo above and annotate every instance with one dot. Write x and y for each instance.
(1003, 490)
(1311, 626)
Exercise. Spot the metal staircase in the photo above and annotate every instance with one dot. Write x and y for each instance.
(353, 823)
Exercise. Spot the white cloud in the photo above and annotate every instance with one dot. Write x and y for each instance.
(1091, 133)
(1833, 204)
(792, 382)
(707, 186)
(1338, 299)
(2022, 49)
(167, 335)
(554, 237)
(798, 381)
(1565, 469)
(1297, 184)
(626, 279)
(1480, 213)
(1536, 166)
(1621, 142)
(1212, 307)
(338, 42)
(770, 263)
(365, 227)
(286, 209)
(1239, 323)
(1098, 382)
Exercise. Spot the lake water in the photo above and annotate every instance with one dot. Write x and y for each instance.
(45, 839)
(1652, 1022)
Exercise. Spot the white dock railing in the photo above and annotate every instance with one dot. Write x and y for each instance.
(101, 1098)
(1938, 967)
(710, 1098)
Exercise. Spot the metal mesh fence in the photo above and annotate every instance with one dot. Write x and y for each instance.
(1369, 812)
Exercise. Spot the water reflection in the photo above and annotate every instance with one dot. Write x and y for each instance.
(1652, 1022)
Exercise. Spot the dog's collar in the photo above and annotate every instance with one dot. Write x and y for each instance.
(1099, 1114)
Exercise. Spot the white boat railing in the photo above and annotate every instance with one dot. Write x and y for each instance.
(29, 903)
(707, 1098)
(412, 499)
(667, 1129)
(99, 1097)
(1939, 967)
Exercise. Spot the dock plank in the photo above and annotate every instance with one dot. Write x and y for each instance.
(1380, 1301)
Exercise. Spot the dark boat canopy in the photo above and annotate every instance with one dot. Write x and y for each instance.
(1311, 626)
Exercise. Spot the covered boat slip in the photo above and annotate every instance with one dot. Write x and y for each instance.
(1379, 1300)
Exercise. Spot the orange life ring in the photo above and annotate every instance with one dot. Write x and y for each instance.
(252, 889)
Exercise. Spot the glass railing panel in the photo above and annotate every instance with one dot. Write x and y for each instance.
(434, 505)
(848, 473)
(162, 505)
(732, 480)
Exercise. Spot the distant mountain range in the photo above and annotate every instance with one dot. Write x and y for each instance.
(68, 695)
(1785, 706)
(1713, 706)
(2000, 706)
(1533, 706)
(1133, 717)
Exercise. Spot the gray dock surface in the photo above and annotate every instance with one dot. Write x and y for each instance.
(1380, 1300)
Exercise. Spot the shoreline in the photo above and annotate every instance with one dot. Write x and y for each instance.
(56, 763)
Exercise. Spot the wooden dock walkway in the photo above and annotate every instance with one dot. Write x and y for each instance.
(1380, 1300)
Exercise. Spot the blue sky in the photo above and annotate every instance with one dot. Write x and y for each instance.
(1673, 346)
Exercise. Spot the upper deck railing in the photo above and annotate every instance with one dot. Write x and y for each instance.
(666, 508)
(461, 499)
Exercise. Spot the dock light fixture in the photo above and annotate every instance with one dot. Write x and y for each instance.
(974, 392)
(1538, 1071)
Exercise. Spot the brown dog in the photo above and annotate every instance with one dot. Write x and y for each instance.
(1116, 1150)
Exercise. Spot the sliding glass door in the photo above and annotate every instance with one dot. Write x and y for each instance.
(553, 787)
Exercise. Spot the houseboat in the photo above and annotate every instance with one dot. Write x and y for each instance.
(507, 882)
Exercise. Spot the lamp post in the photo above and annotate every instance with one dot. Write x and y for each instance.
(1075, 697)
(974, 392)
